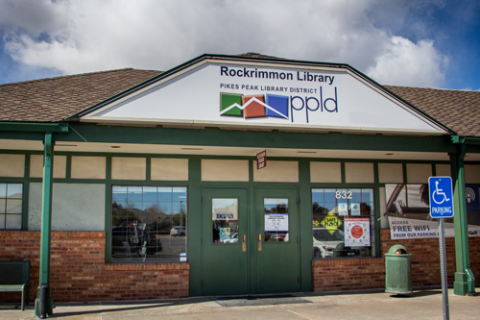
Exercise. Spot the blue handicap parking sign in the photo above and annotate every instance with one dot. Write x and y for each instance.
(441, 197)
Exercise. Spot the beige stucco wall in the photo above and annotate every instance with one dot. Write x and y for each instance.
(12, 165)
(472, 173)
(325, 172)
(225, 170)
(125, 168)
(59, 166)
(359, 172)
(88, 167)
(390, 173)
(164, 169)
(276, 171)
(418, 172)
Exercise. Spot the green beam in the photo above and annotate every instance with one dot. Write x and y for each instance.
(34, 127)
(464, 279)
(256, 139)
(44, 302)
(465, 140)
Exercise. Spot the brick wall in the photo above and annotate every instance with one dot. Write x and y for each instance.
(78, 271)
(369, 273)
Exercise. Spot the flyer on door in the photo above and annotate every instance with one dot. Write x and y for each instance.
(357, 232)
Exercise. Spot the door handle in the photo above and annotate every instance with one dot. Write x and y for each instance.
(244, 243)
(259, 243)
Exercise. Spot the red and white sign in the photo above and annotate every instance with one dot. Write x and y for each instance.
(262, 159)
(357, 232)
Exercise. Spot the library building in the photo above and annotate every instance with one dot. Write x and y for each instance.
(231, 175)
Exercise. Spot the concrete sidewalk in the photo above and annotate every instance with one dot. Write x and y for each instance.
(424, 304)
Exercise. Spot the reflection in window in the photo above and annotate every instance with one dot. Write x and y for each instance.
(407, 201)
(148, 224)
(224, 220)
(11, 195)
(343, 222)
(276, 220)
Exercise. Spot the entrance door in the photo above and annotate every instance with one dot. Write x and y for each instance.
(278, 243)
(224, 235)
(250, 251)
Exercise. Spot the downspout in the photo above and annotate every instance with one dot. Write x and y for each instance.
(464, 279)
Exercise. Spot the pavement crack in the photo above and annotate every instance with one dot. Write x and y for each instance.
(298, 314)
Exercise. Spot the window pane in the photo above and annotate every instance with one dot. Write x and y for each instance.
(3, 207)
(2, 221)
(3, 190)
(134, 194)
(14, 190)
(148, 224)
(14, 221)
(119, 194)
(149, 193)
(343, 226)
(14, 206)
(224, 220)
(164, 194)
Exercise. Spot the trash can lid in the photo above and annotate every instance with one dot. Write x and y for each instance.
(398, 249)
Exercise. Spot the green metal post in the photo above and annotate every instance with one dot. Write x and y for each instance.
(44, 302)
(464, 279)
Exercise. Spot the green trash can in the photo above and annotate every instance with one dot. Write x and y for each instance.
(398, 270)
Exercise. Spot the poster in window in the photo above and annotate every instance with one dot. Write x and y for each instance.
(276, 222)
(342, 209)
(355, 209)
(357, 232)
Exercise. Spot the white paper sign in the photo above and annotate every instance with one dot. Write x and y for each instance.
(276, 222)
(355, 209)
(357, 232)
(342, 209)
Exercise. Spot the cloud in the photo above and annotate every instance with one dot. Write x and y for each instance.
(403, 62)
(83, 36)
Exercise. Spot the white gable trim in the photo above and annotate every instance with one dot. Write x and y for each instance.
(103, 114)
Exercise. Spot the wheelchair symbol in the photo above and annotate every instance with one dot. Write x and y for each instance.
(437, 193)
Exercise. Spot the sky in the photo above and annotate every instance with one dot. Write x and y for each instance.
(424, 43)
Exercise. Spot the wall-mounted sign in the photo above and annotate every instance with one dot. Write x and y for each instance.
(262, 159)
(357, 232)
(265, 95)
(276, 222)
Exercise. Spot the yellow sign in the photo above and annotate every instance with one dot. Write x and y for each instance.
(331, 223)
(316, 223)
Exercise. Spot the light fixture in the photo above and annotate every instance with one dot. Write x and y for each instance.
(65, 145)
(389, 154)
(115, 147)
(306, 151)
(192, 148)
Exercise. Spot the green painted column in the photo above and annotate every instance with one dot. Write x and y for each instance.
(44, 302)
(464, 279)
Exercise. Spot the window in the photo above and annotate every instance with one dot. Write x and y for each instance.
(149, 224)
(11, 206)
(343, 222)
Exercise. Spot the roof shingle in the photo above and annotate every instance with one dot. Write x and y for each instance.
(54, 99)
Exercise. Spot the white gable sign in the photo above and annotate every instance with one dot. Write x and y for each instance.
(263, 95)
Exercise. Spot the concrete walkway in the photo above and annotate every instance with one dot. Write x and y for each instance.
(425, 304)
